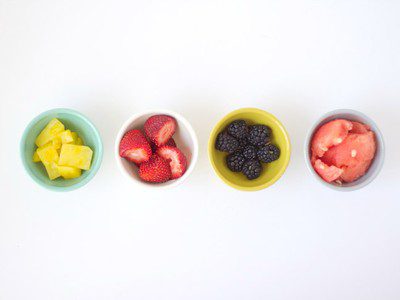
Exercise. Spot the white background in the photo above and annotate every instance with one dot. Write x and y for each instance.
(202, 240)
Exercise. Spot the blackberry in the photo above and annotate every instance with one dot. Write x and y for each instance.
(235, 161)
(259, 135)
(238, 129)
(226, 143)
(252, 169)
(268, 153)
(243, 143)
(249, 152)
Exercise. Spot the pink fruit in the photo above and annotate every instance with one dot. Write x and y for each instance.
(359, 128)
(342, 150)
(352, 173)
(328, 173)
(355, 149)
(328, 135)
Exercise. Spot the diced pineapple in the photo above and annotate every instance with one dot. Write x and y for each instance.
(74, 136)
(52, 170)
(49, 132)
(79, 141)
(46, 145)
(35, 157)
(48, 154)
(76, 156)
(69, 172)
(56, 142)
(66, 137)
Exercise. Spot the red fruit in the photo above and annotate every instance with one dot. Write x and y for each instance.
(352, 173)
(359, 128)
(328, 173)
(135, 147)
(328, 135)
(170, 142)
(160, 128)
(156, 169)
(176, 159)
(355, 149)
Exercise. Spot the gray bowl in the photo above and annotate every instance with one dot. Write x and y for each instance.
(377, 163)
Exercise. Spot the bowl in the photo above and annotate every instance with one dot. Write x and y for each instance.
(377, 163)
(74, 121)
(272, 171)
(185, 138)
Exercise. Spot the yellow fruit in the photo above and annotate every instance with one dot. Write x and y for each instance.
(66, 137)
(46, 145)
(48, 154)
(79, 141)
(52, 170)
(35, 157)
(69, 172)
(76, 156)
(49, 132)
(56, 142)
(74, 137)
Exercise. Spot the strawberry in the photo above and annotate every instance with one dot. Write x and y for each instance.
(155, 170)
(176, 159)
(160, 128)
(171, 142)
(135, 147)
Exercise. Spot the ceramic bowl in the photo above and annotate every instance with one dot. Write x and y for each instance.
(74, 121)
(272, 171)
(185, 138)
(376, 166)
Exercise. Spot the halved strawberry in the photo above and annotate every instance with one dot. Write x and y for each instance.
(160, 128)
(135, 147)
(171, 142)
(176, 159)
(156, 170)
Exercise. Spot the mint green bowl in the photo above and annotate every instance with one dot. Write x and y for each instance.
(73, 121)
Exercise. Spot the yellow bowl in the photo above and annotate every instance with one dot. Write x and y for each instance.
(272, 171)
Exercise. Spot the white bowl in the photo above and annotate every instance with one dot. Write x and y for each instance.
(377, 163)
(185, 139)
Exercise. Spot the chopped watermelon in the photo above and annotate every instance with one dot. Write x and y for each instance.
(342, 150)
(328, 173)
(354, 149)
(330, 134)
(352, 173)
(359, 128)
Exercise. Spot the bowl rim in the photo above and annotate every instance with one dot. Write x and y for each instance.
(180, 119)
(211, 148)
(318, 123)
(95, 164)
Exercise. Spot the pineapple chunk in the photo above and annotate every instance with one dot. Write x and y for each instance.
(69, 172)
(52, 170)
(35, 157)
(56, 142)
(75, 137)
(66, 137)
(48, 154)
(76, 156)
(79, 141)
(46, 145)
(49, 132)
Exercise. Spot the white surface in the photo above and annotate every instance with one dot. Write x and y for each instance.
(202, 240)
